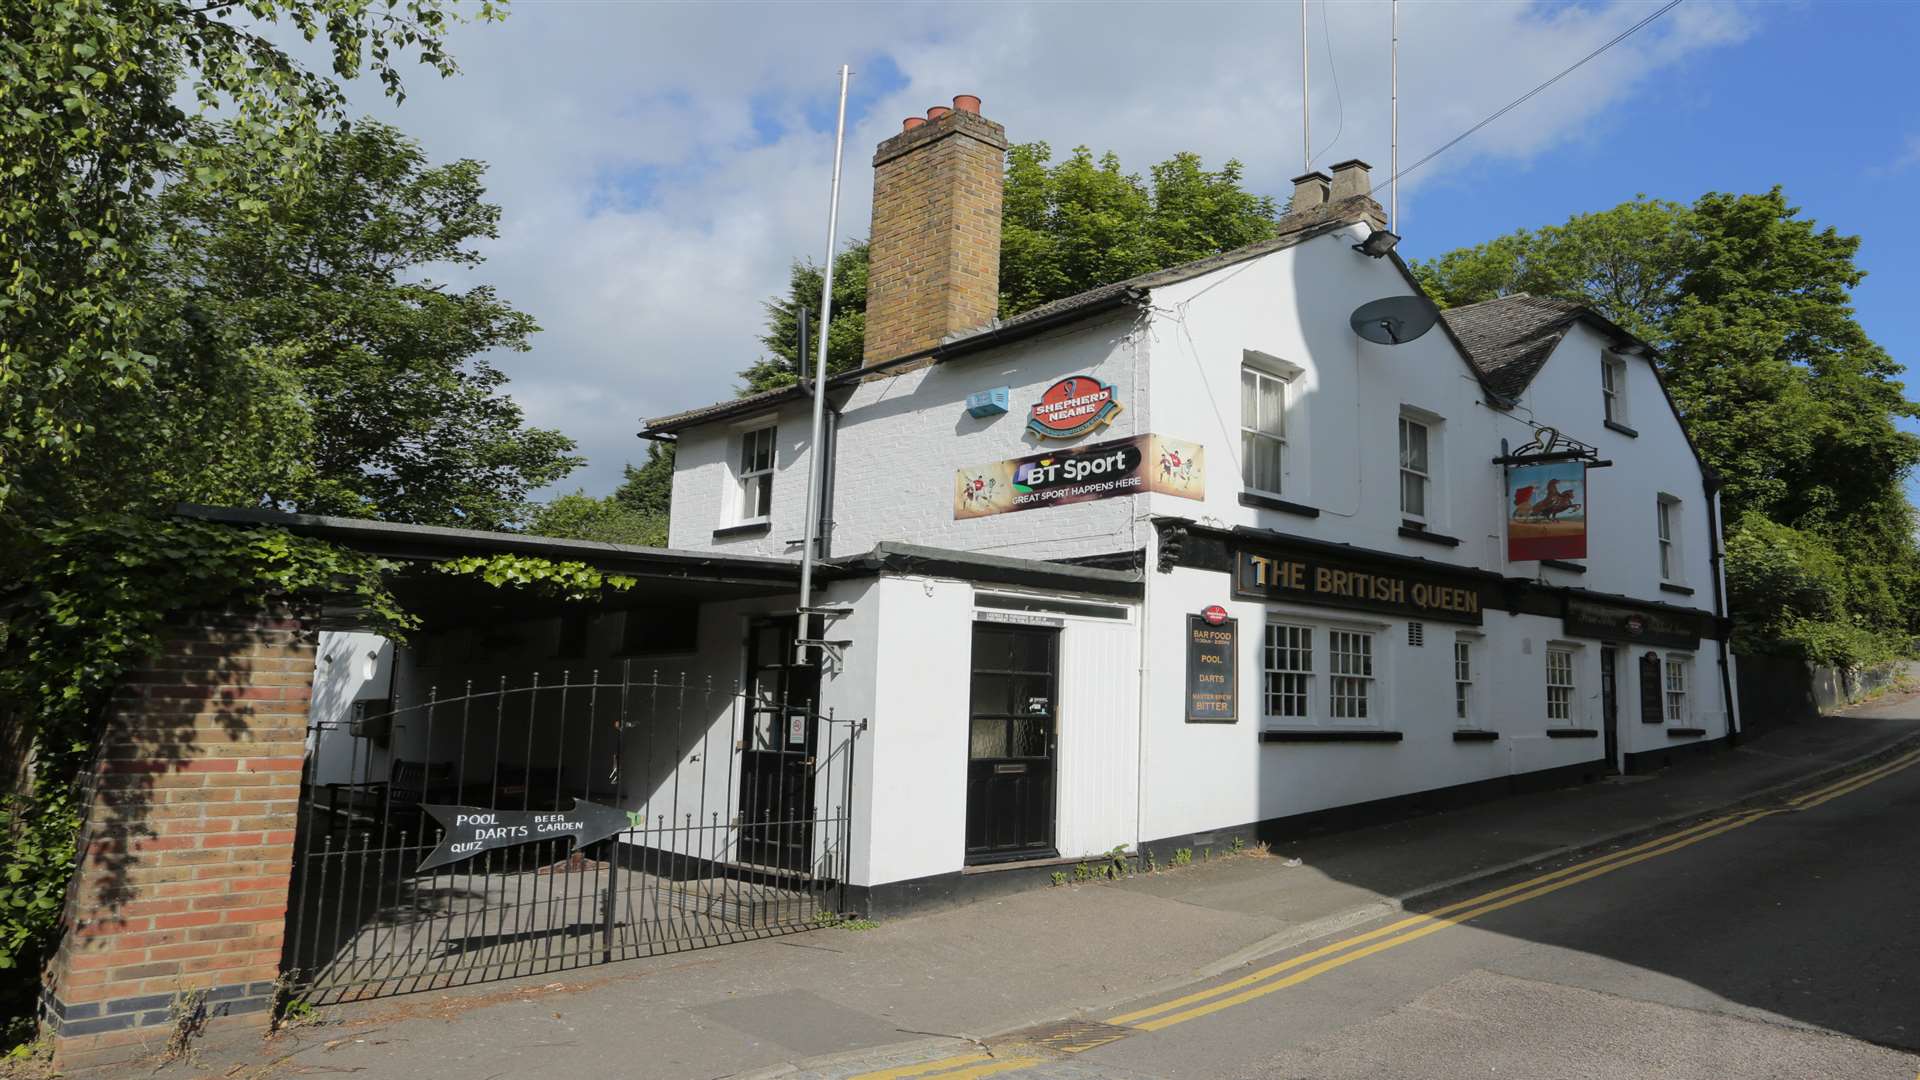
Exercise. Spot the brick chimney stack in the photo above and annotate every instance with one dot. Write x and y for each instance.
(935, 261)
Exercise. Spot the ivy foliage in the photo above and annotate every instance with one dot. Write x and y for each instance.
(93, 607)
(565, 580)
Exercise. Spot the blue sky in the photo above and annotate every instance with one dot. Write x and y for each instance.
(1820, 100)
(659, 165)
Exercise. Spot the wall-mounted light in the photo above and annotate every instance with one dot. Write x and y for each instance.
(1377, 244)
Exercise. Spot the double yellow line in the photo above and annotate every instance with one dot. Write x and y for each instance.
(1817, 796)
(1298, 969)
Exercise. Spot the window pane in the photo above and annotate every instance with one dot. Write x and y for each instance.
(1261, 461)
(1249, 399)
(1413, 445)
(1273, 406)
(763, 498)
(1413, 493)
(988, 738)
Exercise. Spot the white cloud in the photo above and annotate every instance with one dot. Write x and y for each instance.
(646, 216)
(1907, 157)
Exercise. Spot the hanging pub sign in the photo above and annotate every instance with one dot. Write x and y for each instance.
(1082, 474)
(1213, 691)
(1547, 511)
(471, 830)
(1314, 579)
(1072, 407)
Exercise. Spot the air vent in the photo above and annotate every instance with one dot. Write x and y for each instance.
(1416, 634)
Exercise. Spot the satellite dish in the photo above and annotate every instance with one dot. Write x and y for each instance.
(1394, 320)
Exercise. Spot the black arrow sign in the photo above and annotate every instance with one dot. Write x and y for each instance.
(471, 830)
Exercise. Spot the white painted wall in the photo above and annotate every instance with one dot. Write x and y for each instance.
(902, 438)
(348, 667)
(1343, 408)
(917, 753)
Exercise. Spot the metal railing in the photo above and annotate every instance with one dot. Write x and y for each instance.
(737, 826)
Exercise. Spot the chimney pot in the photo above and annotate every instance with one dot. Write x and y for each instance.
(1350, 178)
(966, 103)
(1311, 191)
(912, 122)
(937, 112)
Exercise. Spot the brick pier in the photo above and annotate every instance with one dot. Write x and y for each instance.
(181, 894)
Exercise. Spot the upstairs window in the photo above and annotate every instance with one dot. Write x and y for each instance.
(1666, 510)
(1613, 389)
(1559, 685)
(1263, 429)
(756, 475)
(1415, 474)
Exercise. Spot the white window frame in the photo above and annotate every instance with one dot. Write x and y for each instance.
(1423, 474)
(753, 486)
(1319, 684)
(1613, 389)
(1466, 696)
(1353, 678)
(1290, 635)
(1676, 686)
(1259, 367)
(1666, 532)
(1568, 705)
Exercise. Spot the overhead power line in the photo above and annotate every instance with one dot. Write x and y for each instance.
(1529, 95)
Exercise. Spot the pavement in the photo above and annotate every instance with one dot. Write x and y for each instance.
(914, 992)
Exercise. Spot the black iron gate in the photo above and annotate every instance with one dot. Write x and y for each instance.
(690, 868)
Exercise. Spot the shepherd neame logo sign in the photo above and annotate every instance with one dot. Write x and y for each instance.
(1072, 407)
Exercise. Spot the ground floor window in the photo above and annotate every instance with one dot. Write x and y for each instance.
(1676, 689)
(1320, 674)
(1463, 681)
(1289, 672)
(1559, 685)
(1351, 669)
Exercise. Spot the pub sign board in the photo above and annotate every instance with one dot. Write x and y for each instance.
(1314, 579)
(1213, 688)
(1072, 407)
(1609, 622)
(1082, 474)
(471, 830)
(1547, 511)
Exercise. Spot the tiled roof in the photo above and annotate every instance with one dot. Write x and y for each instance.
(1099, 298)
(1508, 339)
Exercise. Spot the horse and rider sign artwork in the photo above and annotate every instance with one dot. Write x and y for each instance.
(1547, 511)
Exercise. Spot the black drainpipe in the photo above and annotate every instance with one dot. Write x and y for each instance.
(1723, 623)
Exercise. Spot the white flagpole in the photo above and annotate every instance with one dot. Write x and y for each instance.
(815, 464)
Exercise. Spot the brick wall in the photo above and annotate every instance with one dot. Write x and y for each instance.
(935, 257)
(188, 841)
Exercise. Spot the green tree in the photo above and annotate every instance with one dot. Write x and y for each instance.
(90, 128)
(1782, 390)
(1066, 228)
(636, 512)
(304, 359)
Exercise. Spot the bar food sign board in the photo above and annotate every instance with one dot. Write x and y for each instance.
(1133, 466)
(1212, 690)
(1547, 511)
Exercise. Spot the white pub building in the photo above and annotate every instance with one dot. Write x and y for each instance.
(1189, 556)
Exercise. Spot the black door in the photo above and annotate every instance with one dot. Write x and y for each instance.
(776, 751)
(1610, 704)
(1010, 744)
